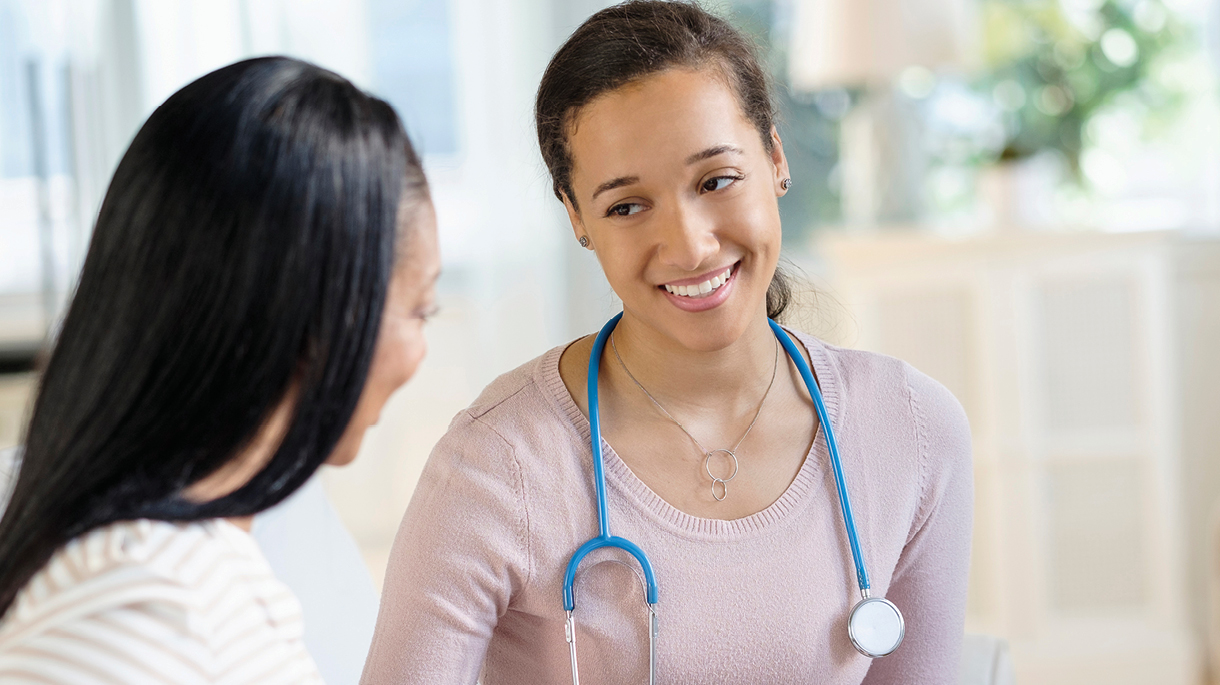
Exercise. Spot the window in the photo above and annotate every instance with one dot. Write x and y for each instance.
(413, 69)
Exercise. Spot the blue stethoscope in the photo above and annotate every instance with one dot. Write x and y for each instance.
(875, 626)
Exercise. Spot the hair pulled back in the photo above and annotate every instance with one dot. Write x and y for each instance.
(243, 249)
(630, 41)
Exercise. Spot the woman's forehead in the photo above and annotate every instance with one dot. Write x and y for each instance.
(661, 119)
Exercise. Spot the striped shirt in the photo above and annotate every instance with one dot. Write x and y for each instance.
(154, 602)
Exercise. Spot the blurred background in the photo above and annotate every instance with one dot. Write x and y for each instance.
(1020, 197)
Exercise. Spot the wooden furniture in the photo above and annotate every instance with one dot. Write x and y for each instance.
(1074, 354)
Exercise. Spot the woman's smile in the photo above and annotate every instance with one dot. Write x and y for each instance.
(703, 292)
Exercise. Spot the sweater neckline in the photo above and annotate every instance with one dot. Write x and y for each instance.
(620, 477)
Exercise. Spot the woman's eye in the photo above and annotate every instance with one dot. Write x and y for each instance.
(427, 313)
(719, 183)
(624, 209)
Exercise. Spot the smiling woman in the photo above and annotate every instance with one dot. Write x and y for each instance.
(689, 194)
(656, 123)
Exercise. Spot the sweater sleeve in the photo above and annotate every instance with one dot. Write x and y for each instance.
(460, 555)
(929, 581)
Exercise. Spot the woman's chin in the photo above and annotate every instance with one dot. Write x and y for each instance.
(707, 333)
(367, 415)
(348, 448)
(338, 458)
(708, 330)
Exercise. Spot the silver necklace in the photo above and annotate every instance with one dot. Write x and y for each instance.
(707, 454)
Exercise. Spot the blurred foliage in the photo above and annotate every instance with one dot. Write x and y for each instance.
(1048, 67)
(1051, 64)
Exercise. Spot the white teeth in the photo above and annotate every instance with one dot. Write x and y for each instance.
(703, 288)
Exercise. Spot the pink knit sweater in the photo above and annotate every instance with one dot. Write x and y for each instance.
(474, 586)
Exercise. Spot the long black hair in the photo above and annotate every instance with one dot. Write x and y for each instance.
(629, 41)
(243, 250)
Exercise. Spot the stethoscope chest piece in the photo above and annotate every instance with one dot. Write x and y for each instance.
(875, 627)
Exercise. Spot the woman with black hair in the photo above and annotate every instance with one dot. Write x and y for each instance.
(656, 123)
(254, 291)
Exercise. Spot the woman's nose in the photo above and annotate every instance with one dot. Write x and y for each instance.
(688, 240)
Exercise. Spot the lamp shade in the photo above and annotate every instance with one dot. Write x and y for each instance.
(837, 43)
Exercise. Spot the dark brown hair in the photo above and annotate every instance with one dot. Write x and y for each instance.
(244, 249)
(630, 41)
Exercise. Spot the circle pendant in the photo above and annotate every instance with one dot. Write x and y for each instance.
(723, 491)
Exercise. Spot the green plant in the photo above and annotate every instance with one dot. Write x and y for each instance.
(1051, 64)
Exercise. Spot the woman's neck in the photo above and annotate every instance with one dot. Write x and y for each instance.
(680, 377)
(246, 523)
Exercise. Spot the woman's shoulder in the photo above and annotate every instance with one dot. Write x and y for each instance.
(916, 430)
(121, 562)
(871, 376)
(886, 395)
(189, 601)
(519, 405)
(181, 571)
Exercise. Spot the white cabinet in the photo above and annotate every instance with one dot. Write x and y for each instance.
(1065, 349)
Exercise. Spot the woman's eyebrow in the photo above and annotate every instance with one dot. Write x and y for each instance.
(712, 152)
(697, 157)
(615, 183)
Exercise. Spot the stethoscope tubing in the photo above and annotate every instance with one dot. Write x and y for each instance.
(832, 447)
(604, 538)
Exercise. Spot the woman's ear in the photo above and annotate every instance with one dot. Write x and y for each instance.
(780, 161)
(578, 226)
